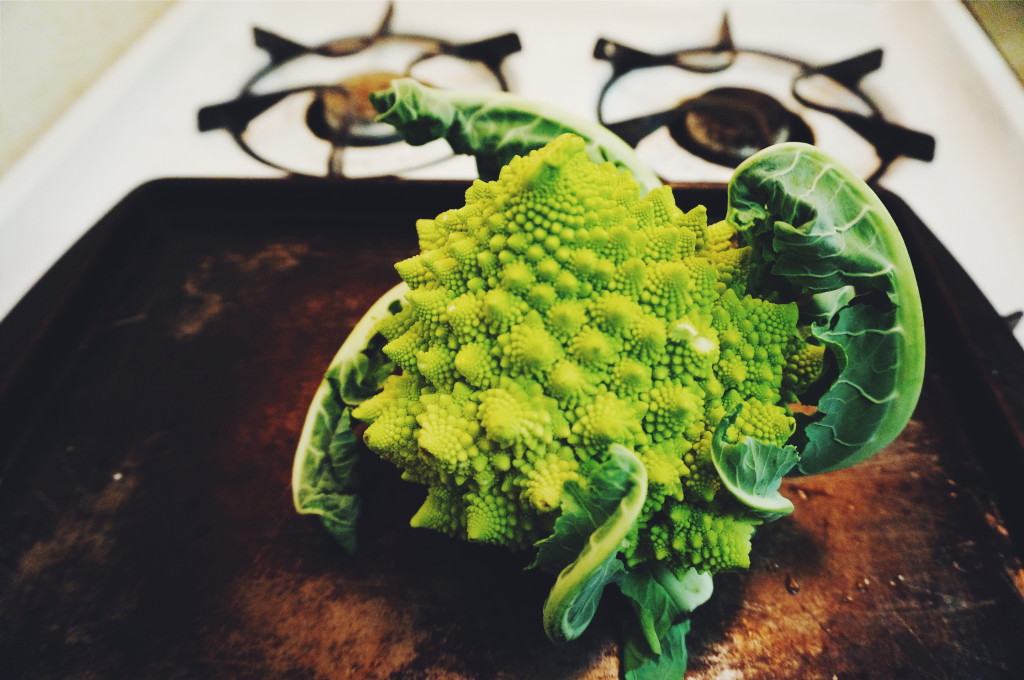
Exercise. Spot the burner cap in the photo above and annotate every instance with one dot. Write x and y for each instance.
(344, 112)
(728, 124)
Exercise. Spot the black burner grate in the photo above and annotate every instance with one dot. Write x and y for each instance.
(724, 125)
(334, 119)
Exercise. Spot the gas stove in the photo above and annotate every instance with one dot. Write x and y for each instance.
(720, 103)
(912, 96)
(306, 111)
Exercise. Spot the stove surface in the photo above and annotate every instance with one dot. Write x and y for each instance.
(939, 75)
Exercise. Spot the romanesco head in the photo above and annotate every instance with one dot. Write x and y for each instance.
(559, 312)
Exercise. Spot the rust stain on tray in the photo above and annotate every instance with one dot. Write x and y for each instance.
(207, 290)
(369, 636)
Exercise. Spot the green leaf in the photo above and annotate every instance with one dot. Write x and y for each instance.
(661, 600)
(362, 375)
(329, 483)
(324, 482)
(827, 305)
(496, 126)
(818, 229)
(752, 471)
(669, 664)
(587, 538)
(655, 646)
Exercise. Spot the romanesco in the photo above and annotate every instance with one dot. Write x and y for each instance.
(558, 312)
(574, 365)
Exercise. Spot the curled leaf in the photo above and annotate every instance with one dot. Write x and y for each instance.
(752, 471)
(494, 127)
(323, 472)
(817, 229)
(587, 539)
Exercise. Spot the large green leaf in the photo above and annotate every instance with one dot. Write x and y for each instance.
(587, 537)
(323, 474)
(494, 127)
(819, 230)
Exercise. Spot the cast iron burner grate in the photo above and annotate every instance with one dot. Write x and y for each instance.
(724, 125)
(312, 128)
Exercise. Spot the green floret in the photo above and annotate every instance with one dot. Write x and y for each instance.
(705, 541)
(803, 367)
(560, 312)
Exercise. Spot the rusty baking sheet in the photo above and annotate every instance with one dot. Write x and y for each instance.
(153, 389)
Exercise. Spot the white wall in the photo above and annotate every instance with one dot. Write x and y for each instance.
(51, 51)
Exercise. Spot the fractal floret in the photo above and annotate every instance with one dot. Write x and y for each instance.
(575, 367)
(559, 312)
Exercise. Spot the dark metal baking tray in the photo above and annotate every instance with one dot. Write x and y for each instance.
(152, 389)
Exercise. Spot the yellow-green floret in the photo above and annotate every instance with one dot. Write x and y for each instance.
(559, 312)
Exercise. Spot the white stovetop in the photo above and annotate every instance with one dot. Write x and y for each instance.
(940, 75)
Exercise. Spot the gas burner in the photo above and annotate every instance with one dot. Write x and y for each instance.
(307, 111)
(727, 123)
